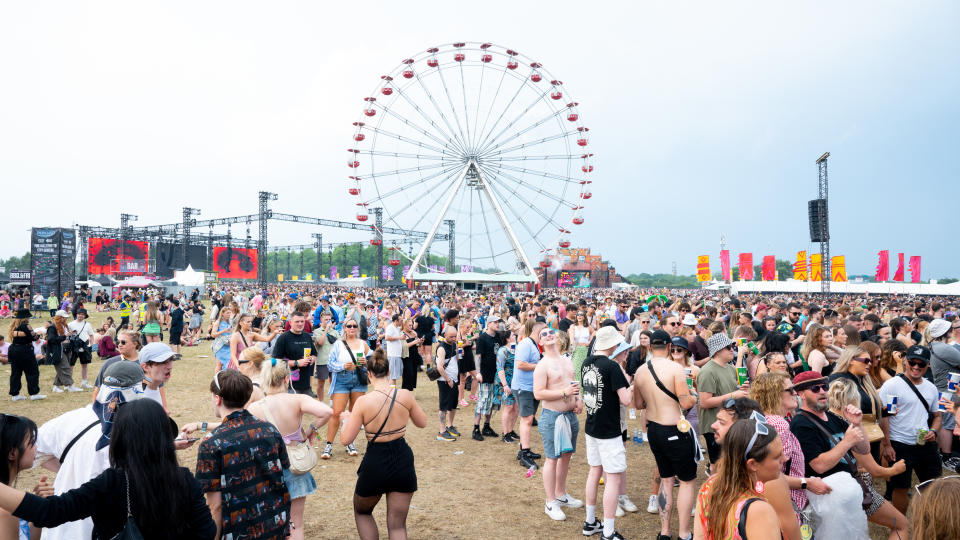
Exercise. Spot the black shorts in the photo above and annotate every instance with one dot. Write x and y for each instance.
(922, 459)
(673, 451)
(427, 339)
(175, 337)
(713, 447)
(387, 467)
(84, 357)
(448, 395)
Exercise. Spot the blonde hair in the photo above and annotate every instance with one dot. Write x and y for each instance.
(254, 355)
(767, 390)
(14, 324)
(936, 516)
(843, 392)
(273, 375)
(843, 366)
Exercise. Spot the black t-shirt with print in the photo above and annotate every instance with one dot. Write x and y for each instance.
(602, 377)
(813, 441)
(290, 346)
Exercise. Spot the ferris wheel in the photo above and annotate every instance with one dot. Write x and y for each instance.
(479, 138)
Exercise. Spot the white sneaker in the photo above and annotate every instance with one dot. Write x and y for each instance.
(57, 389)
(19, 398)
(568, 501)
(620, 512)
(73, 388)
(653, 507)
(85, 384)
(554, 511)
(37, 396)
(624, 502)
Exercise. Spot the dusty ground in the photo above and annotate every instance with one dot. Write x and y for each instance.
(468, 489)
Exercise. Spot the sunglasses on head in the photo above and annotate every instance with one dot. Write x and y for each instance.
(922, 486)
(760, 427)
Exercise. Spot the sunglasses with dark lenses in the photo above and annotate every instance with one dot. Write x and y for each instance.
(863, 359)
(673, 324)
(350, 326)
(547, 333)
(797, 313)
(917, 363)
(817, 388)
(677, 350)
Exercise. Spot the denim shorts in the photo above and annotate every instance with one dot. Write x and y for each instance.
(345, 382)
(528, 405)
(548, 420)
(299, 485)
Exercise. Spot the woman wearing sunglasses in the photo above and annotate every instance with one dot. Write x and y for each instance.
(730, 504)
(854, 366)
(844, 392)
(347, 355)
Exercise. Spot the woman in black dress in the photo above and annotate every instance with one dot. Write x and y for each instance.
(413, 360)
(22, 359)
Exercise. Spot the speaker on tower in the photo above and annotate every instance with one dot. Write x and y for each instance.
(819, 222)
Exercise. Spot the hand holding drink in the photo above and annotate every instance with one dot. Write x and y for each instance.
(361, 361)
(574, 388)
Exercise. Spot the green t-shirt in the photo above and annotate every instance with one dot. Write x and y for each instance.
(717, 380)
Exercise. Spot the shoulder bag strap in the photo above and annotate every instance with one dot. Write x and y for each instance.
(393, 401)
(926, 405)
(63, 456)
(660, 384)
(742, 522)
(849, 454)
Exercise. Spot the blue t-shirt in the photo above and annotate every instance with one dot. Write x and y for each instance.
(527, 351)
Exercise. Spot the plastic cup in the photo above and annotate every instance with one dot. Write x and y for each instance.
(741, 375)
(306, 352)
(891, 404)
(953, 380)
(360, 359)
(945, 396)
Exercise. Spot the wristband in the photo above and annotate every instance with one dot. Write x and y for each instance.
(203, 426)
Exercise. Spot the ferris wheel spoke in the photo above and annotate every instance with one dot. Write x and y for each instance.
(496, 94)
(476, 113)
(540, 99)
(385, 153)
(518, 216)
(405, 187)
(548, 220)
(483, 142)
(379, 131)
(539, 191)
(417, 127)
(460, 144)
(452, 141)
(392, 217)
(545, 174)
(453, 110)
(519, 133)
(529, 144)
(532, 158)
(404, 171)
(466, 113)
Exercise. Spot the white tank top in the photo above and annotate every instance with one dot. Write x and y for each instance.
(581, 335)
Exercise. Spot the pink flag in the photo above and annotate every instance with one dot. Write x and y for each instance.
(915, 269)
(883, 267)
(899, 275)
(725, 265)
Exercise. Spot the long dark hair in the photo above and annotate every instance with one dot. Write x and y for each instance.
(141, 444)
(14, 432)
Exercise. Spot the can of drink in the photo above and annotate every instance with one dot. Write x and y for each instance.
(944, 396)
(891, 404)
(953, 380)
(306, 352)
(688, 371)
(741, 375)
(513, 348)
(459, 352)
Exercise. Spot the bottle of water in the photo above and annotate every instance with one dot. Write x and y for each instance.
(639, 437)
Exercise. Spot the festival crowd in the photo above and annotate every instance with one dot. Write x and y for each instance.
(783, 416)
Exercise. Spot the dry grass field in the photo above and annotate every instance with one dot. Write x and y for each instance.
(468, 489)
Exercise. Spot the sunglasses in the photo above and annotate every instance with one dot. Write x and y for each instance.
(796, 313)
(862, 359)
(673, 324)
(816, 388)
(350, 326)
(922, 486)
(546, 333)
(677, 350)
(917, 364)
(760, 427)
(792, 391)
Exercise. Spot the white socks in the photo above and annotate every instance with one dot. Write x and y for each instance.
(608, 529)
(591, 514)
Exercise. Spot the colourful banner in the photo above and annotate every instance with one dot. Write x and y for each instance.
(800, 267)
(703, 268)
(308, 277)
(355, 271)
(883, 267)
(280, 277)
(333, 272)
(838, 268)
(816, 267)
(390, 274)
(898, 276)
(768, 268)
(235, 263)
(745, 266)
(725, 273)
(915, 269)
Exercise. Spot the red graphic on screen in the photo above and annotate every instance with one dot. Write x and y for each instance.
(102, 253)
(235, 263)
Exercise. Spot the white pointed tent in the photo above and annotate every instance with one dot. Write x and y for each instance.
(188, 277)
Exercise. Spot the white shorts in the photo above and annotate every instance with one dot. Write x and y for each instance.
(396, 366)
(607, 453)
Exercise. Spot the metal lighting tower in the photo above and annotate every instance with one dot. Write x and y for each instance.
(378, 234)
(188, 222)
(822, 189)
(319, 238)
(451, 244)
(263, 214)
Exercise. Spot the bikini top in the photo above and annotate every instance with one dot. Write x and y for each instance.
(380, 432)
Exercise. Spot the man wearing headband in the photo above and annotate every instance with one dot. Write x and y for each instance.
(75, 445)
(825, 454)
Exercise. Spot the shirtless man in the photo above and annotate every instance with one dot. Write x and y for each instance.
(673, 447)
(558, 391)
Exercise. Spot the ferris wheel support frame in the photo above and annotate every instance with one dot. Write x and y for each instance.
(486, 189)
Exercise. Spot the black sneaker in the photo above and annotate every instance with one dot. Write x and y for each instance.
(508, 439)
(476, 434)
(618, 536)
(533, 455)
(487, 431)
(527, 462)
(513, 435)
(590, 529)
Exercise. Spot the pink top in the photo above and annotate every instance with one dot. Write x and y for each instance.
(791, 449)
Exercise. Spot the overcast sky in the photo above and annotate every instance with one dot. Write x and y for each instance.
(706, 118)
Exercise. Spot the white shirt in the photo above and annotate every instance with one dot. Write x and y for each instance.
(83, 463)
(394, 347)
(82, 328)
(153, 394)
(911, 414)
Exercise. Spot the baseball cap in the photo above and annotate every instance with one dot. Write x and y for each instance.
(157, 353)
(659, 336)
(123, 374)
(919, 352)
(493, 318)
